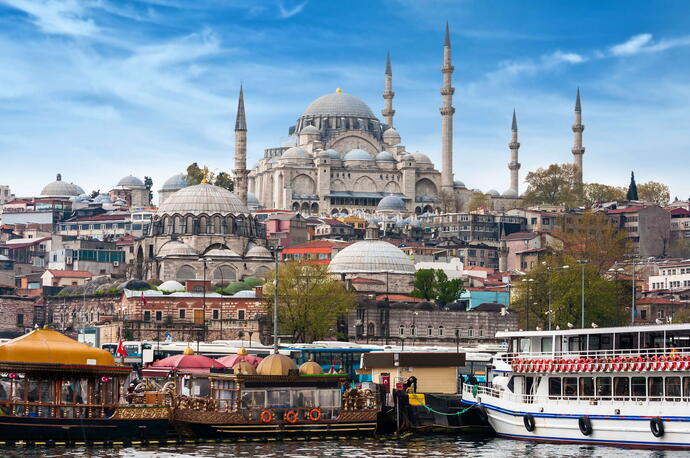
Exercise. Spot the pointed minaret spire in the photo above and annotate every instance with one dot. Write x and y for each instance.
(388, 94)
(241, 150)
(447, 112)
(578, 150)
(514, 165)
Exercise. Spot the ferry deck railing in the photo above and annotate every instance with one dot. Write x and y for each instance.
(597, 354)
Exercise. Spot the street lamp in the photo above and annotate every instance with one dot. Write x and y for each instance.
(527, 282)
(275, 250)
(582, 263)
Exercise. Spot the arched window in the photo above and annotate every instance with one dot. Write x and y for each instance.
(402, 330)
(429, 331)
(371, 329)
(177, 229)
(203, 225)
(216, 224)
(224, 275)
(185, 273)
(440, 331)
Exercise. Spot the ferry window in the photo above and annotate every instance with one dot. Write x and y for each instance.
(254, 399)
(574, 344)
(5, 388)
(586, 387)
(673, 388)
(626, 342)
(277, 398)
(686, 387)
(594, 343)
(570, 387)
(200, 387)
(621, 388)
(638, 387)
(525, 345)
(603, 387)
(555, 387)
(656, 388)
(546, 344)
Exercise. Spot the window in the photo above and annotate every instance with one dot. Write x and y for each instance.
(20, 319)
(429, 331)
(656, 387)
(147, 315)
(586, 387)
(470, 332)
(621, 388)
(183, 314)
(603, 387)
(481, 333)
(159, 315)
(440, 331)
(402, 330)
(216, 314)
(570, 387)
(241, 315)
(673, 388)
(555, 387)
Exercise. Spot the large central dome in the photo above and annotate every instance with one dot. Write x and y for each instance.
(371, 256)
(339, 104)
(203, 198)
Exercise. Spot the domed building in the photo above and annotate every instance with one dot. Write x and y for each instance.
(59, 188)
(202, 231)
(171, 185)
(132, 191)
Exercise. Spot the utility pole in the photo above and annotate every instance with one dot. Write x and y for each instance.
(276, 254)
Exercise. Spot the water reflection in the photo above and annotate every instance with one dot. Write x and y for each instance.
(431, 446)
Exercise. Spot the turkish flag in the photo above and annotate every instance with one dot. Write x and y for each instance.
(143, 298)
(121, 349)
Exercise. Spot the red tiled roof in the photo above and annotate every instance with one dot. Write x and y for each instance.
(315, 245)
(70, 273)
(398, 298)
(333, 222)
(483, 269)
(102, 217)
(678, 211)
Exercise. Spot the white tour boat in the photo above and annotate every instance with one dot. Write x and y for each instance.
(624, 386)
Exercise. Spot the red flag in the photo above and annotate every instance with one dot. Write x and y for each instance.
(121, 349)
(144, 299)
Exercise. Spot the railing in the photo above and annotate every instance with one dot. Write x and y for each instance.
(52, 410)
(567, 354)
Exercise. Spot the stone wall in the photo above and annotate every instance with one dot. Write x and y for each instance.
(17, 315)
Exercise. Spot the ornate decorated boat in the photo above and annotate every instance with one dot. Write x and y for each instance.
(55, 389)
(274, 400)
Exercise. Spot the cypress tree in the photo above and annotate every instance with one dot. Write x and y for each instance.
(632, 189)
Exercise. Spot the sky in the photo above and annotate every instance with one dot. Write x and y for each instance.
(100, 89)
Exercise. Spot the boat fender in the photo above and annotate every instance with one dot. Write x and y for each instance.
(315, 415)
(656, 424)
(266, 416)
(528, 420)
(291, 416)
(585, 425)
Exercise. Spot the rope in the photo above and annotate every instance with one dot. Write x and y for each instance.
(447, 414)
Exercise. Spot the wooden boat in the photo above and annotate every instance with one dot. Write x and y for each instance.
(55, 389)
(275, 400)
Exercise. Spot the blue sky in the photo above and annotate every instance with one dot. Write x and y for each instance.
(99, 89)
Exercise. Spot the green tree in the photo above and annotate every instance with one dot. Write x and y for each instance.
(447, 290)
(632, 188)
(680, 248)
(224, 180)
(555, 185)
(196, 174)
(479, 200)
(310, 300)
(148, 182)
(597, 192)
(425, 284)
(654, 192)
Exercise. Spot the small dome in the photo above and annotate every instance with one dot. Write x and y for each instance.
(273, 160)
(493, 193)
(333, 154)
(175, 182)
(176, 248)
(252, 200)
(385, 156)
(59, 188)
(49, 347)
(203, 198)
(102, 199)
(296, 153)
(510, 193)
(391, 203)
(130, 180)
(221, 253)
(421, 158)
(310, 130)
(310, 368)
(171, 286)
(391, 136)
(357, 155)
(459, 184)
(243, 368)
(339, 104)
(290, 142)
(120, 203)
(188, 351)
(245, 294)
(276, 364)
(371, 256)
(257, 251)
(78, 188)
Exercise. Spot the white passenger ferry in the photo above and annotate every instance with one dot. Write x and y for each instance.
(625, 386)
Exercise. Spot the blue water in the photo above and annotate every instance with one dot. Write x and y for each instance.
(430, 446)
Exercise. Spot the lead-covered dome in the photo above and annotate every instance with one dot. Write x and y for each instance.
(175, 182)
(391, 204)
(391, 136)
(385, 156)
(357, 155)
(310, 130)
(202, 198)
(59, 188)
(296, 153)
(421, 158)
(176, 248)
(130, 180)
(371, 256)
(339, 104)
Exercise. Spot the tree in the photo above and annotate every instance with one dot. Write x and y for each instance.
(555, 185)
(680, 248)
(479, 200)
(448, 201)
(148, 182)
(196, 174)
(310, 300)
(434, 285)
(654, 192)
(681, 316)
(632, 188)
(224, 180)
(592, 237)
(597, 192)
(95, 193)
(425, 284)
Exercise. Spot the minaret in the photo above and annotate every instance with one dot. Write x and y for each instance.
(578, 149)
(388, 94)
(447, 112)
(241, 150)
(514, 165)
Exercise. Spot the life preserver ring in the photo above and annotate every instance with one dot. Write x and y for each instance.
(686, 363)
(315, 414)
(266, 416)
(528, 420)
(589, 365)
(516, 364)
(654, 363)
(581, 365)
(585, 425)
(656, 424)
(626, 364)
(663, 363)
(677, 364)
(291, 416)
(548, 367)
(639, 364)
(617, 364)
(647, 363)
(609, 364)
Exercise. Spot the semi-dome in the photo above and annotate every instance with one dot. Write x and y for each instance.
(391, 203)
(103, 199)
(510, 193)
(78, 189)
(371, 256)
(176, 248)
(175, 182)
(310, 130)
(276, 364)
(258, 251)
(252, 200)
(385, 156)
(357, 155)
(339, 104)
(296, 153)
(220, 253)
(459, 184)
(493, 193)
(290, 142)
(171, 286)
(202, 198)
(333, 154)
(421, 157)
(130, 180)
(391, 136)
(59, 188)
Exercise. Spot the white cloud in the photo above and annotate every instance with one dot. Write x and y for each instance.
(634, 45)
(59, 17)
(286, 13)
